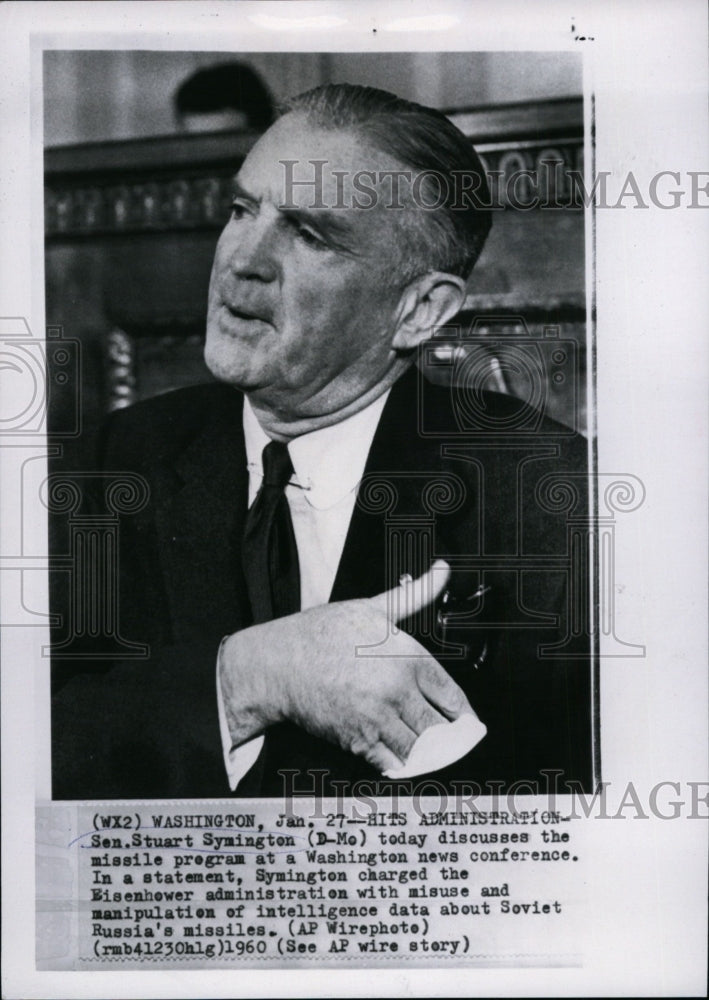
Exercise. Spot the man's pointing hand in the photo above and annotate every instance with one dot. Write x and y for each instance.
(343, 672)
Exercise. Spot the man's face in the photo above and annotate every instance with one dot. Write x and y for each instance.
(302, 307)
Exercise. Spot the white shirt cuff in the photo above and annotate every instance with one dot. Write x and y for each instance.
(237, 760)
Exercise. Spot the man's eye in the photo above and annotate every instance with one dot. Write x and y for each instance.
(311, 239)
(239, 209)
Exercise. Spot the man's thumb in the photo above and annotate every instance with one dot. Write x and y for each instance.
(412, 595)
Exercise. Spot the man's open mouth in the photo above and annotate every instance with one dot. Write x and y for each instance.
(246, 315)
(242, 313)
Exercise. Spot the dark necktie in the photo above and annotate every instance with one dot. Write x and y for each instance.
(269, 553)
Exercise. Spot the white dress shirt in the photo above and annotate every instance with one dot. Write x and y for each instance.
(328, 465)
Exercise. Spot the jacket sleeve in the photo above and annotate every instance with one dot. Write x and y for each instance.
(143, 724)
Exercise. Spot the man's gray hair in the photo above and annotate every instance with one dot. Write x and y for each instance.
(448, 237)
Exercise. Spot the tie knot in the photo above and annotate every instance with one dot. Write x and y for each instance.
(277, 466)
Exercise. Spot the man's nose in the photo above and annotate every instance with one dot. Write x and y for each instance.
(252, 249)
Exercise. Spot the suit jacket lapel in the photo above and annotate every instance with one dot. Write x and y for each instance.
(390, 500)
(201, 522)
(402, 520)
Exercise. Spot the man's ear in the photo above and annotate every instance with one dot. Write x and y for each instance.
(426, 304)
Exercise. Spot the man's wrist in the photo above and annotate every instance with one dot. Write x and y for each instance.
(249, 692)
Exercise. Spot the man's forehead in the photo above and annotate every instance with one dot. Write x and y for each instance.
(299, 163)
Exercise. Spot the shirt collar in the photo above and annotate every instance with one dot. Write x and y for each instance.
(329, 462)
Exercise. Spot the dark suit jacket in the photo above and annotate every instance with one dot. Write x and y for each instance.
(441, 480)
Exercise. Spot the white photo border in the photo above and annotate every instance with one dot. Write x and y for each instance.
(648, 76)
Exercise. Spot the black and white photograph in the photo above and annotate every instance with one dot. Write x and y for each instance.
(419, 427)
(352, 500)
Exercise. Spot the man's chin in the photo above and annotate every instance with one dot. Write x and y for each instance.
(226, 369)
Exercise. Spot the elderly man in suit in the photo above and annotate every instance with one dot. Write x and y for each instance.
(282, 573)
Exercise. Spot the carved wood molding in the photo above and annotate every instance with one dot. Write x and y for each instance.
(129, 366)
(177, 183)
(137, 207)
(121, 375)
